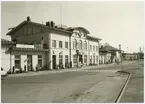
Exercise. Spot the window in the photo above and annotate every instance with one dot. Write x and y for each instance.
(60, 44)
(90, 59)
(54, 43)
(75, 44)
(33, 30)
(74, 58)
(25, 31)
(60, 59)
(85, 45)
(85, 58)
(80, 45)
(94, 59)
(66, 58)
(17, 61)
(94, 48)
(66, 45)
(40, 60)
(90, 47)
(29, 30)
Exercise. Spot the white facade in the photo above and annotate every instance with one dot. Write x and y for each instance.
(5, 57)
(57, 50)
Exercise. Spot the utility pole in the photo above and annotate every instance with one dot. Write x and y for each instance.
(121, 56)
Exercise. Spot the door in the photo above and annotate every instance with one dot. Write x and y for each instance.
(29, 62)
(54, 61)
(80, 59)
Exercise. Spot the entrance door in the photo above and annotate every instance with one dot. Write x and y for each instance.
(54, 61)
(81, 59)
(29, 62)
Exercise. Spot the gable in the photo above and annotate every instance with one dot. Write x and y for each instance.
(28, 29)
(79, 33)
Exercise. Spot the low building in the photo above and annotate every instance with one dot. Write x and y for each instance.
(109, 54)
(24, 57)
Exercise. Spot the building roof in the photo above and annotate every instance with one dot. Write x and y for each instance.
(38, 24)
(73, 28)
(4, 41)
(108, 48)
(29, 49)
(93, 38)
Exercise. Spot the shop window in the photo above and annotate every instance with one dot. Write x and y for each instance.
(54, 43)
(60, 44)
(40, 60)
(66, 45)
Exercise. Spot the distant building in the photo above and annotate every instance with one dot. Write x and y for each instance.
(109, 54)
(58, 47)
(130, 56)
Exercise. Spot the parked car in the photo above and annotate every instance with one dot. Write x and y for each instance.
(3, 72)
(17, 70)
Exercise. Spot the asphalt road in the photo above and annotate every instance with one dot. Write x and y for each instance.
(134, 92)
(63, 87)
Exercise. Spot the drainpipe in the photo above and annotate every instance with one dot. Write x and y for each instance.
(10, 57)
(70, 50)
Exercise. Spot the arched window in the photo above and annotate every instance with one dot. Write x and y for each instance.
(75, 44)
(80, 44)
(85, 45)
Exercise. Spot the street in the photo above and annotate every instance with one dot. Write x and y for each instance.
(76, 86)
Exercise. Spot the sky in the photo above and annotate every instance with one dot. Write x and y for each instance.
(115, 22)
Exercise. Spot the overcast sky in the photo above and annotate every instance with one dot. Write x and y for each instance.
(114, 22)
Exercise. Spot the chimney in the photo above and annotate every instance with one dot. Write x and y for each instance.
(48, 24)
(28, 19)
(52, 24)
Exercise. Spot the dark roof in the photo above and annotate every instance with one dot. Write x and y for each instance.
(73, 28)
(108, 48)
(93, 38)
(29, 49)
(4, 41)
(38, 24)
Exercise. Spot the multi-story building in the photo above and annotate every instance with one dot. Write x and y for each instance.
(66, 47)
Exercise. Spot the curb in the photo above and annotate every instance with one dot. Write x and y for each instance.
(123, 88)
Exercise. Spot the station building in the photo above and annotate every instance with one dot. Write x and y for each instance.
(57, 47)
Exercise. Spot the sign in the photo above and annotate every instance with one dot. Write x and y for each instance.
(24, 46)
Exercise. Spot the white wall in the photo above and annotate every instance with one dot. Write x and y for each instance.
(5, 59)
(94, 52)
(56, 51)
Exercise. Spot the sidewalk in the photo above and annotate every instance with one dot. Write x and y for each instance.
(66, 70)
